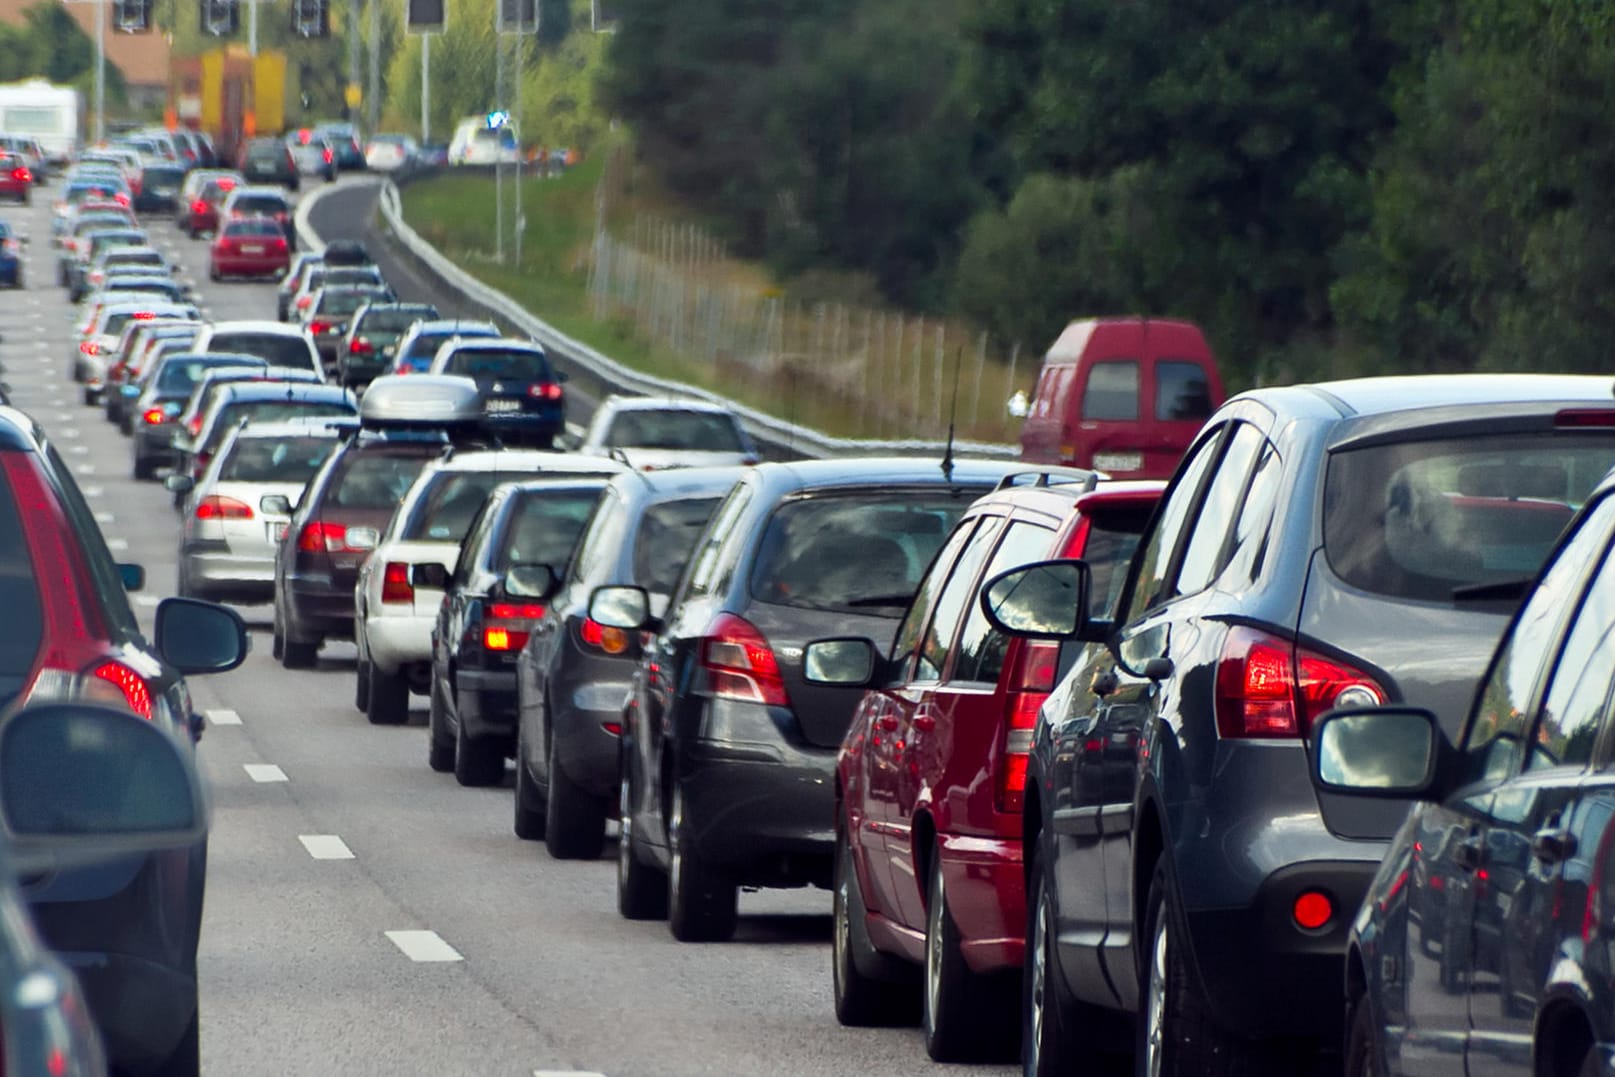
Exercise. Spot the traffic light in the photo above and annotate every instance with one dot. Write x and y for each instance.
(311, 18)
(220, 17)
(424, 16)
(132, 16)
(517, 17)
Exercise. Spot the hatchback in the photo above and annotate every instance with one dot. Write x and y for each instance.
(248, 247)
(419, 346)
(260, 202)
(522, 398)
(286, 346)
(16, 179)
(267, 160)
(163, 390)
(366, 351)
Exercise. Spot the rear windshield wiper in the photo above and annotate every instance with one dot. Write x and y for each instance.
(1496, 591)
(879, 600)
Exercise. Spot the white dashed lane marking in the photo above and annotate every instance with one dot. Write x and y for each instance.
(264, 772)
(91, 491)
(220, 716)
(117, 544)
(567, 1073)
(325, 847)
(424, 946)
(147, 600)
(85, 469)
(104, 518)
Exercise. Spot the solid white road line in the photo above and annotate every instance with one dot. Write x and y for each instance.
(104, 517)
(264, 772)
(222, 717)
(325, 847)
(567, 1073)
(423, 946)
(147, 600)
(117, 544)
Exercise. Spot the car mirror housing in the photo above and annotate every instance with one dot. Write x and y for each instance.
(276, 504)
(846, 663)
(531, 581)
(623, 607)
(1043, 600)
(1390, 751)
(179, 483)
(200, 637)
(133, 576)
(82, 783)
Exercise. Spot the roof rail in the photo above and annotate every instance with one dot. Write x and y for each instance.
(1051, 476)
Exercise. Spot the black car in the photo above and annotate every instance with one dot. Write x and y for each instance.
(366, 351)
(729, 753)
(159, 188)
(514, 554)
(573, 674)
(1352, 543)
(267, 160)
(344, 140)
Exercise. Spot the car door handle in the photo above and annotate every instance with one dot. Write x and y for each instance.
(1553, 845)
(1466, 854)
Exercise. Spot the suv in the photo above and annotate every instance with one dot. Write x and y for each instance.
(1353, 543)
(929, 865)
(268, 160)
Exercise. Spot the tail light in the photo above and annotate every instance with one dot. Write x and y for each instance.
(328, 155)
(303, 302)
(194, 426)
(395, 585)
(90, 347)
(121, 198)
(320, 325)
(544, 390)
(199, 207)
(360, 346)
(22, 175)
(740, 664)
(218, 507)
(1312, 910)
(319, 535)
(1268, 687)
(1030, 680)
(508, 625)
(280, 245)
(609, 640)
(226, 184)
(153, 416)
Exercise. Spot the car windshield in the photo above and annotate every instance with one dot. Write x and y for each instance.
(701, 431)
(860, 552)
(281, 459)
(344, 301)
(1426, 519)
(179, 376)
(270, 410)
(666, 539)
(544, 527)
(165, 177)
(486, 365)
(277, 349)
(445, 509)
(375, 480)
(395, 320)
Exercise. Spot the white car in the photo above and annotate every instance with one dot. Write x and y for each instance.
(100, 337)
(230, 531)
(651, 433)
(278, 344)
(396, 602)
(389, 153)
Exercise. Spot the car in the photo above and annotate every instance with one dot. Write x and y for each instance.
(405, 424)
(33, 157)
(286, 346)
(11, 257)
(16, 179)
(242, 368)
(105, 328)
(1317, 546)
(313, 153)
(401, 585)
(366, 350)
(419, 346)
(347, 253)
(332, 308)
(130, 927)
(573, 674)
(301, 303)
(728, 764)
(522, 398)
(249, 247)
(345, 144)
(165, 388)
(267, 160)
(228, 540)
(113, 257)
(261, 202)
(78, 190)
(90, 241)
(229, 404)
(138, 279)
(205, 207)
(930, 876)
(301, 262)
(389, 153)
(1482, 937)
(159, 188)
(476, 143)
(129, 354)
(650, 433)
(192, 213)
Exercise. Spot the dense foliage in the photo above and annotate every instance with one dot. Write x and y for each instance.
(49, 44)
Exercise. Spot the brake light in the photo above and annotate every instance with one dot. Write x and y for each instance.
(328, 155)
(131, 687)
(218, 507)
(395, 585)
(226, 184)
(280, 245)
(359, 346)
(610, 640)
(502, 611)
(194, 426)
(22, 175)
(1584, 417)
(319, 535)
(1312, 910)
(198, 207)
(1031, 679)
(304, 301)
(320, 325)
(544, 390)
(153, 416)
(740, 664)
(1269, 687)
(121, 198)
(89, 347)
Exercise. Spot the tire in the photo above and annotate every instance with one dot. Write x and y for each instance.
(528, 811)
(965, 1016)
(90, 397)
(361, 687)
(477, 763)
(871, 989)
(575, 819)
(186, 1059)
(296, 654)
(277, 645)
(1362, 1054)
(387, 698)
(641, 888)
(439, 745)
(1056, 1029)
(701, 900)
(1176, 1035)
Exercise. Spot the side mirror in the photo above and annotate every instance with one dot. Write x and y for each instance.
(1377, 752)
(274, 504)
(620, 607)
(531, 581)
(179, 483)
(1045, 600)
(429, 574)
(200, 637)
(82, 783)
(133, 576)
(847, 663)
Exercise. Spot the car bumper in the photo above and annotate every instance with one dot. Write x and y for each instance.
(986, 885)
(227, 572)
(524, 427)
(584, 748)
(315, 608)
(256, 267)
(154, 443)
(485, 703)
(397, 640)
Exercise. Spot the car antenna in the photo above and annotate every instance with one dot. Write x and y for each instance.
(953, 413)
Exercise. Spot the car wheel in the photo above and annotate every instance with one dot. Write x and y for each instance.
(528, 818)
(297, 654)
(361, 686)
(701, 900)
(1362, 1054)
(439, 744)
(641, 888)
(387, 698)
(575, 819)
(1056, 1029)
(213, 273)
(277, 644)
(1176, 1035)
(477, 762)
(965, 1016)
(186, 1059)
(872, 989)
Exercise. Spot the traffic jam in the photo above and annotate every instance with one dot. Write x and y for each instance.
(1254, 734)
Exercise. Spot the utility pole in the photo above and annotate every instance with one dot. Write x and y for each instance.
(352, 91)
(101, 70)
(252, 27)
(373, 102)
(520, 44)
(426, 89)
(499, 151)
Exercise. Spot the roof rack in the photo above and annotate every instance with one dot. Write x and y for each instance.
(1051, 476)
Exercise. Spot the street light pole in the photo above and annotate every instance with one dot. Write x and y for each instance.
(101, 70)
(373, 95)
(252, 27)
(426, 89)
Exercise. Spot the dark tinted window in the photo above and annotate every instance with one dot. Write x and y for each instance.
(161, 176)
(274, 348)
(1207, 551)
(1149, 587)
(700, 431)
(1573, 709)
(328, 278)
(19, 594)
(275, 459)
(1112, 391)
(374, 480)
(1112, 540)
(259, 203)
(424, 347)
(981, 647)
(266, 155)
(395, 320)
(1181, 390)
(493, 364)
(132, 258)
(253, 226)
(178, 377)
(543, 528)
(343, 301)
(1421, 519)
(906, 643)
(445, 510)
(267, 411)
(861, 552)
(665, 540)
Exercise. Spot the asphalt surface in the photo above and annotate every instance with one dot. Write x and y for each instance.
(299, 972)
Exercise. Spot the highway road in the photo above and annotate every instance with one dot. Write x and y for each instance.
(367, 916)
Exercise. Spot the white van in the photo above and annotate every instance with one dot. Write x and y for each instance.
(476, 143)
(51, 114)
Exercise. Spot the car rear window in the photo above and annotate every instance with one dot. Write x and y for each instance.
(1181, 390)
(1425, 519)
(1112, 537)
(114, 324)
(163, 176)
(283, 459)
(444, 511)
(19, 592)
(666, 539)
(254, 226)
(700, 431)
(133, 258)
(347, 275)
(543, 528)
(1112, 392)
(266, 155)
(395, 321)
(274, 348)
(859, 553)
(375, 480)
(495, 364)
(180, 377)
(259, 203)
(268, 411)
(344, 302)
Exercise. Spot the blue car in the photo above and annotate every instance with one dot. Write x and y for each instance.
(10, 256)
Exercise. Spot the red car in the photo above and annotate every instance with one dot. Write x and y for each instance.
(15, 178)
(249, 247)
(932, 771)
(204, 211)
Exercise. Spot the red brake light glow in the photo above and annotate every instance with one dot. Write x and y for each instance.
(1269, 687)
(740, 663)
(319, 535)
(545, 390)
(216, 507)
(153, 416)
(131, 686)
(610, 640)
(395, 585)
(1313, 910)
(1030, 680)
(1584, 417)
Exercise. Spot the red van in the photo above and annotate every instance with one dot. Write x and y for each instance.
(1122, 395)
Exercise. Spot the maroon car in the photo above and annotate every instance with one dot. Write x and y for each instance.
(15, 178)
(249, 247)
(204, 211)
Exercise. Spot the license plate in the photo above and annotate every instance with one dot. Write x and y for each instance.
(1118, 461)
(277, 531)
(254, 249)
(503, 405)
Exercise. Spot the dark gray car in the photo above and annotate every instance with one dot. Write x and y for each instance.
(1353, 543)
(163, 393)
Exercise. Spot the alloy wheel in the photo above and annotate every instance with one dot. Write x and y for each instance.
(1155, 1015)
(1040, 972)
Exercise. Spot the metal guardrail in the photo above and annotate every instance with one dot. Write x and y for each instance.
(614, 375)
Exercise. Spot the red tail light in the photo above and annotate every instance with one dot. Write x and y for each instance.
(319, 535)
(328, 155)
(90, 347)
(121, 198)
(132, 690)
(740, 663)
(1269, 687)
(1030, 680)
(22, 175)
(280, 245)
(304, 301)
(320, 325)
(198, 207)
(217, 507)
(508, 623)
(153, 416)
(502, 611)
(545, 390)
(194, 426)
(610, 640)
(359, 346)
(226, 184)
(395, 585)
